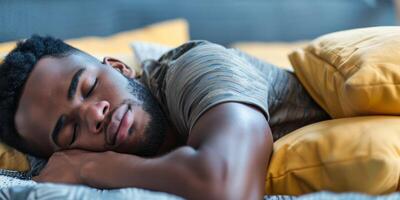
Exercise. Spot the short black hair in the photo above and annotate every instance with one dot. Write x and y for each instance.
(14, 72)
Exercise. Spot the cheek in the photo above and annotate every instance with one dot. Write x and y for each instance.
(114, 87)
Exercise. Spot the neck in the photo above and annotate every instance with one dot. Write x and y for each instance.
(171, 140)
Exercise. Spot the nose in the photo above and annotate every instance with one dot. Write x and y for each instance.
(93, 115)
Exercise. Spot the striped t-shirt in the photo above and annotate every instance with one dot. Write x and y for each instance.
(198, 75)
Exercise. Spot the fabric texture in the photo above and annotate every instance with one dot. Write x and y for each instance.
(275, 53)
(12, 188)
(198, 75)
(359, 154)
(354, 72)
(147, 51)
(12, 159)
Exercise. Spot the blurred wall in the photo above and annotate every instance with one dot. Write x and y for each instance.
(221, 21)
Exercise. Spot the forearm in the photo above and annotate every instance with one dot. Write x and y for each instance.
(228, 160)
(173, 173)
(185, 172)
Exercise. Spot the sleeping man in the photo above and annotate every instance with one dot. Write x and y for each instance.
(199, 122)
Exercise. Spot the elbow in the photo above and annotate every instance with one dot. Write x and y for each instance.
(219, 187)
(204, 178)
(208, 177)
(221, 192)
(213, 186)
(211, 177)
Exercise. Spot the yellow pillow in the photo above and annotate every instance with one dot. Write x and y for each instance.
(169, 33)
(172, 33)
(360, 154)
(354, 72)
(12, 159)
(270, 52)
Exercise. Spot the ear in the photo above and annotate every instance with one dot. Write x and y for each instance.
(120, 66)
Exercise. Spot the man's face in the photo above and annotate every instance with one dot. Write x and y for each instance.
(76, 102)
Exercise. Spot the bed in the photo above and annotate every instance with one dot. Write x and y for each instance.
(14, 188)
(17, 184)
(15, 181)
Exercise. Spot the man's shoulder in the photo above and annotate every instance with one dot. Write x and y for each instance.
(159, 67)
(175, 53)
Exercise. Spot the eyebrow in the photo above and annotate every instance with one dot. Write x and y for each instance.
(74, 84)
(70, 94)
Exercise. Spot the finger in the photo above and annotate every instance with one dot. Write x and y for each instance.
(38, 178)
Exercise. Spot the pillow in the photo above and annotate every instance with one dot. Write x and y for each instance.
(173, 32)
(359, 154)
(354, 72)
(270, 52)
(11, 159)
(5, 47)
(146, 50)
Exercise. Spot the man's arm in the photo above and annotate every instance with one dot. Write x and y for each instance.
(226, 158)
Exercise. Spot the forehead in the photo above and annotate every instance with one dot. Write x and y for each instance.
(44, 96)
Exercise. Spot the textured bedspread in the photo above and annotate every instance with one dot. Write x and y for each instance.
(13, 188)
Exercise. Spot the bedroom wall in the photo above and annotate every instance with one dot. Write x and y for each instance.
(221, 21)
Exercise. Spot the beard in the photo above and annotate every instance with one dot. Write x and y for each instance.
(155, 130)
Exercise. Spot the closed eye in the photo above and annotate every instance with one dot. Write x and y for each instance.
(74, 134)
(92, 88)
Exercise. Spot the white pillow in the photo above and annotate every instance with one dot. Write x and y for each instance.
(147, 50)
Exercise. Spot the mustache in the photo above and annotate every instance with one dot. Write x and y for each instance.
(137, 90)
(129, 102)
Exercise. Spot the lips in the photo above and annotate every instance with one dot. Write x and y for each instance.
(120, 123)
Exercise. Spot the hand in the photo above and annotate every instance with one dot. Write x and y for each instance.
(66, 166)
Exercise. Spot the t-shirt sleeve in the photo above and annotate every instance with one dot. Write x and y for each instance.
(208, 74)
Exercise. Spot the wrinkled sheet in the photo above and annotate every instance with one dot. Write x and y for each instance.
(14, 188)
